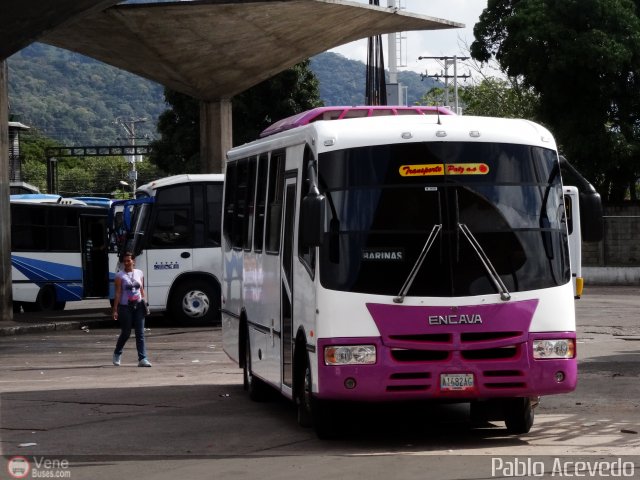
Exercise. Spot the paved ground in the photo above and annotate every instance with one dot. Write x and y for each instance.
(188, 417)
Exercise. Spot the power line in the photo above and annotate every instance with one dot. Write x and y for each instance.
(446, 62)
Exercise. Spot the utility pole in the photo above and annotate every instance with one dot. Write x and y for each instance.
(448, 62)
(396, 43)
(129, 126)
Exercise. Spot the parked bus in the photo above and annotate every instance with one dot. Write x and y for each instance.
(173, 228)
(401, 258)
(58, 251)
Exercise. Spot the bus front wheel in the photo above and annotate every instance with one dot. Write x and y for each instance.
(194, 302)
(258, 390)
(518, 415)
(313, 412)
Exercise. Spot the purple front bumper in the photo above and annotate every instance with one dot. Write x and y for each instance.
(490, 342)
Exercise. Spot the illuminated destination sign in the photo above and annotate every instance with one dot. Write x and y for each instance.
(439, 169)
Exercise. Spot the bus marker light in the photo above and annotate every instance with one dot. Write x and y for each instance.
(556, 348)
(559, 377)
(350, 355)
(350, 383)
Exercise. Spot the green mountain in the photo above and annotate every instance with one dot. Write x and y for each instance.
(77, 100)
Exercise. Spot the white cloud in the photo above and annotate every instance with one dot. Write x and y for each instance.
(429, 43)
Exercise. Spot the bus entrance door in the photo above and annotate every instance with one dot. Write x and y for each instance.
(287, 283)
(95, 262)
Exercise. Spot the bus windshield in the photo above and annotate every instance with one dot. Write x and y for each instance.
(384, 201)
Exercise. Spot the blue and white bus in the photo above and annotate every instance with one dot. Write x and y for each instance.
(58, 251)
(173, 228)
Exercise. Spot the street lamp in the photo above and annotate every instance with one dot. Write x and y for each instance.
(124, 185)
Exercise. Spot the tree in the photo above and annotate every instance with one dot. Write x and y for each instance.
(178, 149)
(490, 97)
(582, 58)
(495, 97)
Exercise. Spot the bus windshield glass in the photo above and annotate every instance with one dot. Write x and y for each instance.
(384, 201)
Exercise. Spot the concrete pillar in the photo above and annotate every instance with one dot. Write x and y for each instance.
(6, 309)
(215, 134)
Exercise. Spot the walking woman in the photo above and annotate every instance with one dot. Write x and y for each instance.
(129, 309)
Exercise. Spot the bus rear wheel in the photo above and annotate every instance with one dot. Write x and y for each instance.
(194, 302)
(46, 299)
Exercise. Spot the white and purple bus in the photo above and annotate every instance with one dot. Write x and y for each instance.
(404, 257)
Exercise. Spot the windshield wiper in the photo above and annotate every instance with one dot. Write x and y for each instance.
(416, 268)
(493, 274)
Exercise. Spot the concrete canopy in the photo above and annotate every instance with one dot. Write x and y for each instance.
(215, 49)
(24, 21)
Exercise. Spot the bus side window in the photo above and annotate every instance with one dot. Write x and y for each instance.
(274, 204)
(65, 231)
(258, 233)
(174, 220)
(230, 203)
(172, 229)
(247, 227)
(238, 220)
(28, 228)
(214, 212)
(568, 208)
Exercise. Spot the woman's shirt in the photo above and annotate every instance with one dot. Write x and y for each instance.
(130, 284)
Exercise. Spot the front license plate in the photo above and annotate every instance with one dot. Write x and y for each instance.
(456, 381)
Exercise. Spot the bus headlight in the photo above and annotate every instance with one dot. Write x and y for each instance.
(561, 348)
(350, 355)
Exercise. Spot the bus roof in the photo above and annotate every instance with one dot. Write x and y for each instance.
(95, 201)
(340, 113)
(35, 198)
(49, 199)
(151, 187)
(326, 136)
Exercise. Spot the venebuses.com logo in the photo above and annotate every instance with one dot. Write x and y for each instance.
(38, 467)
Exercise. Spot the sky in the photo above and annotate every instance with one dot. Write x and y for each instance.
(429, 43)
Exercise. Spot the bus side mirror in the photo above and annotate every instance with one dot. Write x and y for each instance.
(591, 217)
(312, 220)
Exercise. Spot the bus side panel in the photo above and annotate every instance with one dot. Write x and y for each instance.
(261, 299)
(161, 267)
(231, 300)
(30, 272)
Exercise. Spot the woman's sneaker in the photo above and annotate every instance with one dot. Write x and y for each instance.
(144, 363)
(116, 359)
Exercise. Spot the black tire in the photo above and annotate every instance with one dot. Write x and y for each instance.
(59, 305)
(195, 302)
(17, 307)
(313, 412)
(46, 299)
(518, 415)
(258, 390)
(303, 396)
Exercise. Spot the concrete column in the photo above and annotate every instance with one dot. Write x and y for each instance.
(6, 310)
(215, 134)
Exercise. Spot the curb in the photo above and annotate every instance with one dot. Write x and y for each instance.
(20, 329)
